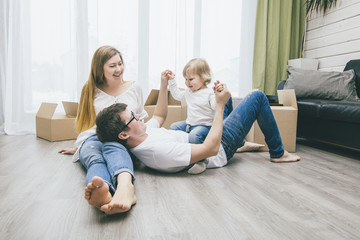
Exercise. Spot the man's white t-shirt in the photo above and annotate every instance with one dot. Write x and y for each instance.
(169, 150)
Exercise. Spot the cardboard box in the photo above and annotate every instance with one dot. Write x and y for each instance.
(56, 127)
(176, 109)
(286, 119)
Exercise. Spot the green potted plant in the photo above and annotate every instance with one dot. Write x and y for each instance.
(319, 5)
(311, 6)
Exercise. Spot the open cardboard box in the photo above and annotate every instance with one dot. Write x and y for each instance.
(286, 119)
(56, 127)
(176, 109)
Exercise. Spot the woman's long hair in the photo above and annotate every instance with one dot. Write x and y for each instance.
(86, 116)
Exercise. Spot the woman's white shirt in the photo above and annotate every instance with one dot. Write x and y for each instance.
(133, 97)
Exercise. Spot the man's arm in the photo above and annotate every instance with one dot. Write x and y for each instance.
(211, 145)
(161, 108)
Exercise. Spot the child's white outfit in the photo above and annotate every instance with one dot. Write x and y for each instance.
(201, 106)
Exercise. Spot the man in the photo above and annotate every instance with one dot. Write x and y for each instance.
(169, 151)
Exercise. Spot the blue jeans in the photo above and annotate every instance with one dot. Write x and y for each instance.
(105, 160)
(254, 106)
(198, 133)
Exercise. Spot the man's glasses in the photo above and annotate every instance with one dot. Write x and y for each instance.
(132, 119)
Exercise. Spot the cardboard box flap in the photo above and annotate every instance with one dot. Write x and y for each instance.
(287, 98)
(172, 100)
(46, 110)
(152, 98)
(70, 108)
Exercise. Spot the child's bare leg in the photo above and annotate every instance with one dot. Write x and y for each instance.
(287, 157)
(250, 147)
(124, 196)
(97, 192)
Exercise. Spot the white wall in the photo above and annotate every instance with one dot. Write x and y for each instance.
(334, 38)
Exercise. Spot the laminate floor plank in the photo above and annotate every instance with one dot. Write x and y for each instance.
(42, 197)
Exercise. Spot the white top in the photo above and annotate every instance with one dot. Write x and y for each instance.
(201, 104)
(133, 97)
(169, 151)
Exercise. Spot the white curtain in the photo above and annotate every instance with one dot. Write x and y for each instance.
(46, 47)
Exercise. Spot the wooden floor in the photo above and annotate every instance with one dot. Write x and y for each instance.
(41, 197)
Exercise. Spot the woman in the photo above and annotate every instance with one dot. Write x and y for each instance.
(110, 174)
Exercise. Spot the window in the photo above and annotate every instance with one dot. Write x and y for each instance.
(49, 46)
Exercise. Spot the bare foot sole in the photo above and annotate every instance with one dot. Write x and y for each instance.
(250, 147)
(122, 200)
(286, 158)
(97, 192)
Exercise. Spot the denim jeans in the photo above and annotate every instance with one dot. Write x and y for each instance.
(254, 106)
(198, 133)
(105, 160)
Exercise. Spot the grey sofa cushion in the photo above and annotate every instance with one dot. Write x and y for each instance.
(322, 85)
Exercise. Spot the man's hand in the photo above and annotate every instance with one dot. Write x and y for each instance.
(222, 93)
(166, 76)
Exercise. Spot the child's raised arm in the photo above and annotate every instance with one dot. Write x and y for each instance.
(177, 93)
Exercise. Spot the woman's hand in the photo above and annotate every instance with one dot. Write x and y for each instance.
(68, 151)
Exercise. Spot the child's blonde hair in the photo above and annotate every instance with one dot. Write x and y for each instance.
(200, 67)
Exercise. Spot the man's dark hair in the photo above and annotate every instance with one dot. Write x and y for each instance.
(109, 123)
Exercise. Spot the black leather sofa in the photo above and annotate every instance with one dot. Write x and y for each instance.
(329, 121)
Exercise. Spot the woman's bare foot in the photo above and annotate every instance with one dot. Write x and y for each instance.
(287, 157)
(124, 196)
(250, 147)
(97, 192)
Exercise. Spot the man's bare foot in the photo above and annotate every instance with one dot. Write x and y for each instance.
(122, 200)
(287, 157)
(97, 192)
(250, 147)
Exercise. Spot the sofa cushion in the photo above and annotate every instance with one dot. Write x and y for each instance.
(309, 107)
(342, 111)
(322, 85)
(355, 64)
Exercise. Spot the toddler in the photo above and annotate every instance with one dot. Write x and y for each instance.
(201, 104)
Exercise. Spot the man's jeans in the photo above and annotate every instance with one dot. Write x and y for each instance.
(105, 160)
(254, 106)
